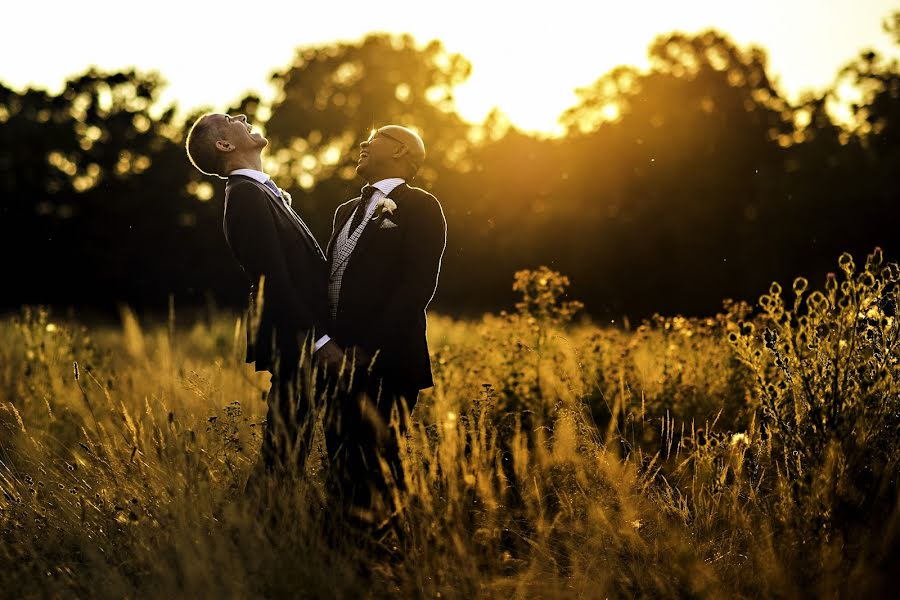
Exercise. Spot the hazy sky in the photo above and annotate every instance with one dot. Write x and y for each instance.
(527, 57)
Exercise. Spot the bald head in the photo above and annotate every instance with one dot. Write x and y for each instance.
(391, 151)
(414, 144)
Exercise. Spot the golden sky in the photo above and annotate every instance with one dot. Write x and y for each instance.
(528, 57)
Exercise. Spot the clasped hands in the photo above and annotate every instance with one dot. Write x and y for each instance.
(332, 358)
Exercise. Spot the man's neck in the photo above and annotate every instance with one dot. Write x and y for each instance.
(245, 162)
(376, 177)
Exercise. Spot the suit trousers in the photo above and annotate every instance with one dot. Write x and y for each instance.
(290, 421)
(363, 426)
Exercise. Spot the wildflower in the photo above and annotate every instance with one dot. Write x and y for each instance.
(770, 337)
(874, 259)
(701, 438)
(817, 302)
(740, 439)
(450, 422)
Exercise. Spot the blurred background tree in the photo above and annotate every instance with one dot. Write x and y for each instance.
(329, 100)
(672, 187)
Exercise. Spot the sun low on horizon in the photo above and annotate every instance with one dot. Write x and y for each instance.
(526, 61)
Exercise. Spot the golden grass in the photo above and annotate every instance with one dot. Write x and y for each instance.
(742, 455)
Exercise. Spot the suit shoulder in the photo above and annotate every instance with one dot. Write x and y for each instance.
(422, 199)
(417, 192)
(243, 200)
(242, 188)
(342, 207)
(345, 204)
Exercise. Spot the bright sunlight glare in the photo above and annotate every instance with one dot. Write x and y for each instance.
(527, 59)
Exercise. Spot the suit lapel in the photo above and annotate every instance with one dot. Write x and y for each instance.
(372, 226)
(293, 218)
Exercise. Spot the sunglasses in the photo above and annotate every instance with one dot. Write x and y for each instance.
(387, 135)
(380, 133)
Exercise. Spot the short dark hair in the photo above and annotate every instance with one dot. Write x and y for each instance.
(201, 147)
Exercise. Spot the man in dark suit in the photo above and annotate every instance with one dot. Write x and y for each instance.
(384, 258)
(288, 316)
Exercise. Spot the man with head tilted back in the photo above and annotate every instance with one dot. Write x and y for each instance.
(384, 257)
(288, 317)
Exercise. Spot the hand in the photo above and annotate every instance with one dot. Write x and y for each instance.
(359, 356)
(330, 356)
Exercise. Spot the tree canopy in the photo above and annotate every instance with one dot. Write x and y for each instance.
(672, 188)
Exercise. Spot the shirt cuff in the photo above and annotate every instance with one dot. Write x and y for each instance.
(321, 342)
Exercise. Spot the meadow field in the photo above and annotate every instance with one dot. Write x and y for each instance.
(753, 453)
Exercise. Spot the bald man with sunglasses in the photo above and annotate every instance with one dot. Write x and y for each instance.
(384, 258)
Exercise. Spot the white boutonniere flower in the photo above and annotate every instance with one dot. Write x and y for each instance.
(383, 207)
(287, 197)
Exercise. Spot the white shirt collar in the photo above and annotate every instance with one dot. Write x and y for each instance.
(386, 186)
(252, 174)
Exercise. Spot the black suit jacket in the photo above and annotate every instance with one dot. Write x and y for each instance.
(391, 277)
(267, 240)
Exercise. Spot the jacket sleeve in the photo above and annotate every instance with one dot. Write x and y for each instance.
(423, 249)
(254, 239)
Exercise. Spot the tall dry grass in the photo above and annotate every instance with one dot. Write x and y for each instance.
(750, 454)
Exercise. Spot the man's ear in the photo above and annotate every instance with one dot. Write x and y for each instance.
(224, 146)
(401, 152)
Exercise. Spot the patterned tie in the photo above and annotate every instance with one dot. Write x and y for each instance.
(271, 185)
(367, 193)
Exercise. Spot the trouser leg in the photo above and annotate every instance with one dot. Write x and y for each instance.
(287, 437)
(394, 404)
(362, 443)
